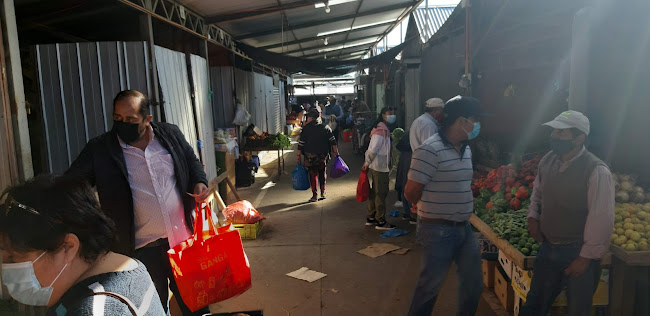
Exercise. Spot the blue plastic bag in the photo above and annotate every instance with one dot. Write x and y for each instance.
(299, 178)
(394, 213)
(339, 168)
(394, 233)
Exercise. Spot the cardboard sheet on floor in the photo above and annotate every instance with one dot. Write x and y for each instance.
(401, 251)
(307, 275)
(378, 249)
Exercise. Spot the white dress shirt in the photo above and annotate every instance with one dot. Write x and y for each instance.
(600, 205)
(422, 128)
(157, 204)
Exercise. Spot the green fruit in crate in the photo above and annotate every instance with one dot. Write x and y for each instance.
(535, 247)
(533, 253)
(531, 240)
(522, 243)
(525, 251)
(529, 246)
(643, 246)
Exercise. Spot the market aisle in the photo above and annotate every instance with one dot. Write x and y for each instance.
(324, 236)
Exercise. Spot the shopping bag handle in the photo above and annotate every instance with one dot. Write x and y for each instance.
(199, 233)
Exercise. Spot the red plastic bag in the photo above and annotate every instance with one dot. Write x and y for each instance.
(211, 266)
(363, 187)
(242, 212)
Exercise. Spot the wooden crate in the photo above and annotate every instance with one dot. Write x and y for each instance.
(488, 268)
(503, 290)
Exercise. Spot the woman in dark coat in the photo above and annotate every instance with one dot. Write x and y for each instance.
(316, 142)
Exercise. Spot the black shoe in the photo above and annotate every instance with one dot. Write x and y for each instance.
(314, 198)
(323, 196)
(406, 218)
(384, 226)
(371, 222)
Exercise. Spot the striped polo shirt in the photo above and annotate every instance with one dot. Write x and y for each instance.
(446, 176)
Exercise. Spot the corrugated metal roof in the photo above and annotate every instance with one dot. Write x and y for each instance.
(429, 20)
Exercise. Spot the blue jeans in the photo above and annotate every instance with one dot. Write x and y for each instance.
(549, 279)
(442, 245)
(406, 208)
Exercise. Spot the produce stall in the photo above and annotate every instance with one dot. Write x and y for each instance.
(630, 288)
(502, 197)
(269, 142)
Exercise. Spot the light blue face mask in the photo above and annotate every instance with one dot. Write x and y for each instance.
(20, 279)
(475, 131)
(391, 119)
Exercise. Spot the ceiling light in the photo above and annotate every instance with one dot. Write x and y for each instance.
(326, 42)
(371, 24)
(333, 32)
(332, 2)
(327, 9)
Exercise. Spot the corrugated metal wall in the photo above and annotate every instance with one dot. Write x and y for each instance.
(412, 95)
(223, 103)
(204, 113)
(264, 101)
(78, 82)
(175, 90)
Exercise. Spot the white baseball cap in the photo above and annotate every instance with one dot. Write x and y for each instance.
(570, 119)
(435, 103)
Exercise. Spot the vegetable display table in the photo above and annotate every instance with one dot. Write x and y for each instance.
(630, 282)
(518, 258)
(279, 150)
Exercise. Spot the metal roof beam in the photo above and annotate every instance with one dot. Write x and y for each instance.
(333, 43)
(336, 51)
(242, 15)
(309, 39)
(328, 21)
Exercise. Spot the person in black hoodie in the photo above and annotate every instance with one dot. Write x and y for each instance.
(401, 177)
(316, 142)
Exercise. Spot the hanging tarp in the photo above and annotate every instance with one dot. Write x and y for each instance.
(77, 83)
(204, 113)
(223, 103)
(175, 90)
(318, 66)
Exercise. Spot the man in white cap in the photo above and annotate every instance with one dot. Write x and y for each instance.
(572, 214)
(426, 125)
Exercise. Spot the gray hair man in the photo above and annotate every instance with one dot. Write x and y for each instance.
(426, 125)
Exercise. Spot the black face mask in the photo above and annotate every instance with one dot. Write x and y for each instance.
(128, 132)
(561, 146)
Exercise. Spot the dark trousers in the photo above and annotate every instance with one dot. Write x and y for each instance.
(317, 174)
(157, 263)
(549, 279)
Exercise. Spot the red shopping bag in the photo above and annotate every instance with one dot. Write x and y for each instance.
(211, 266)
(363, 187)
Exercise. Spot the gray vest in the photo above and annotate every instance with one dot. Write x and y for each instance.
(564, 198)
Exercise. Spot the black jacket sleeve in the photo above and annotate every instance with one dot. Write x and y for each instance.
(195, 168)
(83, 166)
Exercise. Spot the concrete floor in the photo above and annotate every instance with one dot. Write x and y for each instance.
(324, 236)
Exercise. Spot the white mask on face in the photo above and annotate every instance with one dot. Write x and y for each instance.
(20, 279)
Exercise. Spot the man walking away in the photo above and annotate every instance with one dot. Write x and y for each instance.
(148, 179)
(426, 125)
(439, 185)
(572, 214)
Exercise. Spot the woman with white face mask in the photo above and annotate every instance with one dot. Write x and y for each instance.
(55, 242)
(377, 159)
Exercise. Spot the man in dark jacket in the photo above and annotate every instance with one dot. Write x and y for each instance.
(148, 180)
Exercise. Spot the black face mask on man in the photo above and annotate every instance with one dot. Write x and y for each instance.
(561, 146)
(128, 132)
